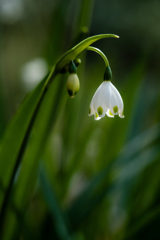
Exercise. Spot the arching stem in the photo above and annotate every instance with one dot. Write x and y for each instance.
(100, 53)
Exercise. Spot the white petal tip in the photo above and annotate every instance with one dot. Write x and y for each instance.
(121, 116)
(109, 114)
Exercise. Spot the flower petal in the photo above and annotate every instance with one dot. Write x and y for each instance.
(96, 117)
(117, 99)
(109, 114)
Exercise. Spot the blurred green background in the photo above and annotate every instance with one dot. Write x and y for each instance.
(78, 178)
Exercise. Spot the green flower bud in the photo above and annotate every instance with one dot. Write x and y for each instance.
(73, 84)
(77, 62)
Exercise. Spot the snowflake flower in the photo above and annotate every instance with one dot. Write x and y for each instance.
(106, 100)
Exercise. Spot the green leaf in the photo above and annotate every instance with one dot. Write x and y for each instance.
(90, 197)
(139, 142)
(44, 123)
(109, 178)
(11, 142)
(58, 218)
(73, 52)
(26, 178)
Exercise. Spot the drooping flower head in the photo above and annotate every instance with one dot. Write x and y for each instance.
(73, 84)
(106, 100)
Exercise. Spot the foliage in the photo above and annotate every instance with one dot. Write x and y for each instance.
(65, 176)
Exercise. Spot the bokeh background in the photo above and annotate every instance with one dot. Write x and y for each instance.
(91, 179)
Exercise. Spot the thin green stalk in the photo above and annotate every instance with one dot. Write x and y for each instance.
(49, 80)
(100, 53)
(86, 13)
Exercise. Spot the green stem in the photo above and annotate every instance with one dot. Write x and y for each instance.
(100, 53)
(49, 80)
(86, 13)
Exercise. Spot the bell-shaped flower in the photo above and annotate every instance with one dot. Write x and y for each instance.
(73, 84)
(106, 100)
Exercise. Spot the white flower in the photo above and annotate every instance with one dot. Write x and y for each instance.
(106, 100)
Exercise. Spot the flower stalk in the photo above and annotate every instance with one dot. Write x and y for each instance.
(100, 53)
